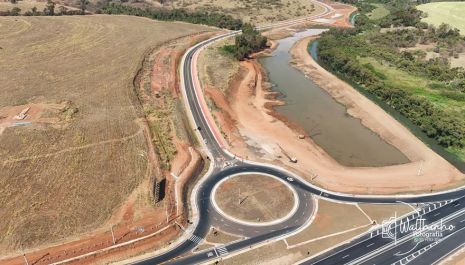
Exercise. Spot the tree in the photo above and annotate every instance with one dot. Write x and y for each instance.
(15, 11)
(34, 11)
(62, 10)
(13, 1)
(49, 9)
(248, 42)
(83, 5)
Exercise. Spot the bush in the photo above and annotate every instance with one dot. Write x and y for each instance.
(15, 11)
(248, 42)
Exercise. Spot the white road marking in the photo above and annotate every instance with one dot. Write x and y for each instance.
(195, 239)
(369, 245)
(345, 256)
(222, 251)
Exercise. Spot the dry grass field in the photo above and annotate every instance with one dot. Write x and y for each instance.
(74, 164)
(217, 67)
(253, 198)
(255, 11)
(445, 12)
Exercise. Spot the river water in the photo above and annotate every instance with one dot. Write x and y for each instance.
(324, 119)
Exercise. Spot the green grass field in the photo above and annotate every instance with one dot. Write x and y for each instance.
(421, 87)
(417, 85)
(451, 13)
(379, 12)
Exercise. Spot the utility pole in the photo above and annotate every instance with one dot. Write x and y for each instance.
(112, 235)
(26, 262)
(242, 200)
(25, 259)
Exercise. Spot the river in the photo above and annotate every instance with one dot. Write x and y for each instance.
(324, 119)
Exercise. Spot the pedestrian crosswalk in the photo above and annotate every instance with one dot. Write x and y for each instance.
(195, 239)
(222, 251)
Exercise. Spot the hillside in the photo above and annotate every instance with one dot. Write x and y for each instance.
(409, 65)
(82, 146)
(255, 11)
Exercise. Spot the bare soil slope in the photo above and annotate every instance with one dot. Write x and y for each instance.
(243, 110)
(82, 147)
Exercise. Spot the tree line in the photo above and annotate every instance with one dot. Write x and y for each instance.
(339, 51)
(250, 41)
(195, 17)
(49, 10)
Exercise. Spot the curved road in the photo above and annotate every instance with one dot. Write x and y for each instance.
(208, 216)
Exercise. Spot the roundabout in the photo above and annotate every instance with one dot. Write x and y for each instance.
(255, 199)
(297, 203)
(223, 165)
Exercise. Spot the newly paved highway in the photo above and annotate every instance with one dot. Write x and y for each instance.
(371, 248)
(402, 239)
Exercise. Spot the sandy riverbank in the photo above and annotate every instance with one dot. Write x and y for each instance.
(264, 135)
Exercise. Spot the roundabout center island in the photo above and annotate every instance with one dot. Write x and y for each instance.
(254, 198)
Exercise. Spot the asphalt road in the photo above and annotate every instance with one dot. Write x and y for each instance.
(364, 249)
(397, 241)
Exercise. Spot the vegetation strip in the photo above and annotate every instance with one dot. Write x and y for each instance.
(427, 91)
(202, 17)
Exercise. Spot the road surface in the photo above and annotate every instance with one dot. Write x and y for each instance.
(368, 248)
